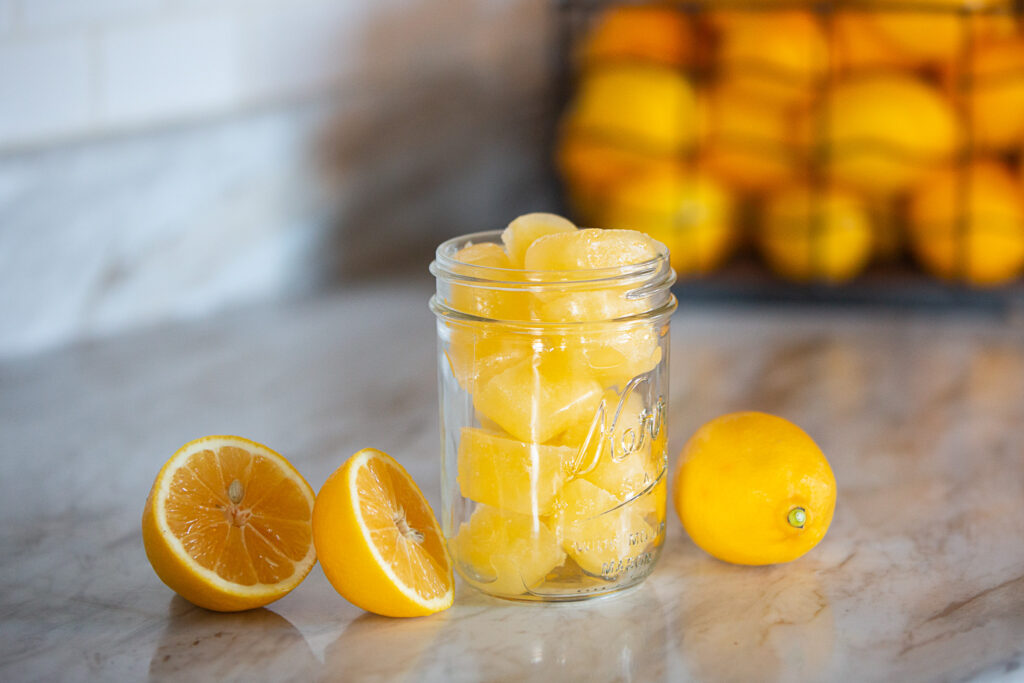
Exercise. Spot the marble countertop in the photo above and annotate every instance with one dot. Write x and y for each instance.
(921, 576)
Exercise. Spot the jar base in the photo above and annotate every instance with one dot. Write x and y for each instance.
(572, 591)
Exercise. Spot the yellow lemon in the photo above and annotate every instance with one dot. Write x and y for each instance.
(782, 56)
(378, 540)
(859, 45)
(970, 225)
(886, 132)
(754, 489)
(996, 94)
(935, 30)
(593, 168)
(692, 214)
(227, 524)
(645, 107)
(748, 141)
(641, 32)
(809, 236)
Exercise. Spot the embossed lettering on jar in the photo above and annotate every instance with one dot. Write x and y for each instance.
(553, 371)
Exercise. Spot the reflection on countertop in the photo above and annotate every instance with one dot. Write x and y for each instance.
(920, 578)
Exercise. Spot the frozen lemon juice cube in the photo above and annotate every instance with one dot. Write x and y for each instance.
(509, 474)
(617, 451)
(505, 553)
(539, 397)
(597, 531)
(523, 231)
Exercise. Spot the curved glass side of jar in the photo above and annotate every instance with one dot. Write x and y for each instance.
(553, 392)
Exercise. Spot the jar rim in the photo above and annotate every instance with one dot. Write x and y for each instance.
(649, 281)
(447, 267)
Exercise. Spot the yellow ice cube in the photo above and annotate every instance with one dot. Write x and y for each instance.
(596, 531)
(617, 353)
(477, 354)
(572, 257)
(537, 398)
(488, 261)
(509, 474)
(620, 456)
(589, 249)
(523, 231)
(505, 553)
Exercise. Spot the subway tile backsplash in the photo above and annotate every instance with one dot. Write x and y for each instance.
(164, 159)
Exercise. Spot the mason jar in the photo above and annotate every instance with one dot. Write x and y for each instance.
(553, 390)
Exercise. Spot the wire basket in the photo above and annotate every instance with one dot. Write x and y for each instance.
(898, 177)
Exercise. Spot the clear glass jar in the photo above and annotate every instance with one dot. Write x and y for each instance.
(553, 396)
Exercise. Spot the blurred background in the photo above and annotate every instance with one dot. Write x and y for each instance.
(166, 159)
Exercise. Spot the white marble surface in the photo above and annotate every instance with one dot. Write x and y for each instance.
(920, 578)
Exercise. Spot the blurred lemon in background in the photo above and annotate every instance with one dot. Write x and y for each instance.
(593, 168)
(970, 225)
(823, 236)
(936, 32)
(859, 45)
(748, 142)
(880, 98)
(996, 95)
(645, 107)
(640, 32)
(885, 132)
(781, 56)
(690, 213)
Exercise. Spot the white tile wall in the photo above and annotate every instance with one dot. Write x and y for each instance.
(295, 50)
(45, 87)
(158, 157)
(179, 68)
(152, 62)
(101, 237)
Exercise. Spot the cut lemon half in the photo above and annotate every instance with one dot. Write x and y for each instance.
(378, 540)
(228, 524)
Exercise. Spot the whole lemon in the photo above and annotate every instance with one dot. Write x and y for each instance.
(859, 46)
(643, 33)
(807, 236)
(969, 225)
(690, 213)
(937, 30)
(996, 95)
(781, 56)
(754, 489)
(885, 132)
(748, 142)
(593, 170)
(645, 107)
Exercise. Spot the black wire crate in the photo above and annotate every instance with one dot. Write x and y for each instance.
(868, 152)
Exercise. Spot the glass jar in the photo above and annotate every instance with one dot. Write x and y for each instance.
(553, 396)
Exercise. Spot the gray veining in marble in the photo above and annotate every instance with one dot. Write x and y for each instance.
(920, 578)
